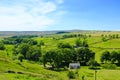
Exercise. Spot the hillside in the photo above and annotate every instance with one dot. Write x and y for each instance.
(13, 69)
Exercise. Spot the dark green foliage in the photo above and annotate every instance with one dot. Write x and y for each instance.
(29, 41)
(41, 43)
(64, 45)
(114, 56)
(54, 57)
(23, 48)
(104, 39)
(93, 64)
(105, 56)
(85, 44)
(80, 43)
(109, 66)
(71, 75)
(118, 57)
(33, 53)
(62, 32)
(2, 47)
(19, 39)
(20, 57)
(84, 55)
(68, 56)
(30, 52)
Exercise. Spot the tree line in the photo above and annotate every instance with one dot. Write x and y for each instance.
(57, 58)
(112, 57)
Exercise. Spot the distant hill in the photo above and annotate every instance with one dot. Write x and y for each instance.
(40, 33)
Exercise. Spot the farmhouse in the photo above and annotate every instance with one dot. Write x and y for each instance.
(74, 65)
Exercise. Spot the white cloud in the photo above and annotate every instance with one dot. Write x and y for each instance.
(29, 15)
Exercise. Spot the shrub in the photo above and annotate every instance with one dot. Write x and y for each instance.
(93, 64)
(109, 66)
(71, 75)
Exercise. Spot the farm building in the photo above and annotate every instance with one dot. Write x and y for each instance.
(74, 65)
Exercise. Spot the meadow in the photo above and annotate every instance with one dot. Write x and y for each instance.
(13, 69)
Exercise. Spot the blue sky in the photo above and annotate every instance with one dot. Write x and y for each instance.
(43, 15)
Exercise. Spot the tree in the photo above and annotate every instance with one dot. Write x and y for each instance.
(41, 43)
(93, 64)
(23, 48)
(34, 53)
(54, 57)
(2, 47)
(84, 55)
(29, 41)
(105, 56)
(20, 57)
(114, 56)
(78, 43)
(85, 44)
(118, 57)
(68, 56)
(64, 45)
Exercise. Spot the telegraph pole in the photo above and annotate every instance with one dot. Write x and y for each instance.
(95, 74)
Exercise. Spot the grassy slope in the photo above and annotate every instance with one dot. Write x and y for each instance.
(35, 71)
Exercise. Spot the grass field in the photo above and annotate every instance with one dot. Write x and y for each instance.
(28, 70)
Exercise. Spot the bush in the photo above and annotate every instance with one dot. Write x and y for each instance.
(109, 66)
(93, 64)
(71, 75)
(20, 57)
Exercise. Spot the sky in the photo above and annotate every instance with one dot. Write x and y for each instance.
(48, 15)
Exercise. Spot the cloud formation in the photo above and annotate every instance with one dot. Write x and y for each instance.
(28, 14)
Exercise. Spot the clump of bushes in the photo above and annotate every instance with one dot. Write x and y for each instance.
(109, 66)
(71, 75)
(93, 64)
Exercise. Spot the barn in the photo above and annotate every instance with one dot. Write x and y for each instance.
(74, 65)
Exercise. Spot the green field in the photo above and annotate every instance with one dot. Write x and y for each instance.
(12, 69)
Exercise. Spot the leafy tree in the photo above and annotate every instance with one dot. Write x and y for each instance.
(29, 41)
(71, 75)
(2, 47)
(85, 44)
(93, 64)
(84, 55)
(104, 39)
(23, 48)
(78, 43)
(64, 45)
(33, 53)
(68, 56)
(105, 56)
(118, 57)
(54, 57)
(20, 57)
(41, 43)
(114, 56)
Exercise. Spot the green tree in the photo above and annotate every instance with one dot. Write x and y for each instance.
(20, 57)
(64, 45)
(23, 48)
(54, 57)
(114, 56)
(78, 43)
(42, 43)
(92, 64)
(34, 53)
(84, 55)
(29, 41)
(68, 56)
(2, 47)
(118, 57)
(105, 56)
